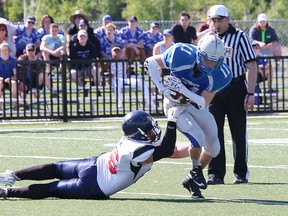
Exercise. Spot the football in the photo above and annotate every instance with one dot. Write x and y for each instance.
(178, 96)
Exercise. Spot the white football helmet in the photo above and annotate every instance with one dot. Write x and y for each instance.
(210, 48)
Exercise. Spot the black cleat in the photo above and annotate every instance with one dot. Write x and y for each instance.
(198, 177)
(213, 180)
(193, 189)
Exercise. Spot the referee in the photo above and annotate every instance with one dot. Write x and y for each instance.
(235, 100)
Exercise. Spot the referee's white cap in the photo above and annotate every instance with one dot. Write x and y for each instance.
(218, 11)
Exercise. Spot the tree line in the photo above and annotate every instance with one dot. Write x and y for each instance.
(60, 10)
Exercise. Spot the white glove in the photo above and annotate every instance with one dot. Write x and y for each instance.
(174, 112)
(174, 83)
(168, 93)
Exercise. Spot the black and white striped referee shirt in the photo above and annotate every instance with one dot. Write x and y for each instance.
(239, 50)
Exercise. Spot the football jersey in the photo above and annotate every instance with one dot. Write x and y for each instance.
(22, 39)
(121, 168)
(181, 60)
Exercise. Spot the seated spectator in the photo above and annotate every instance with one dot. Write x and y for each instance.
(45, 23)
(7, 31)
(265, 36)
(100, 32)
(130, 36)
(150, 38)
(110, 40)
(75, 19)
(84, 25)
(53, 45)
(31, 72)
(119, 78)
(265, 71)
(80, 50)
(183, 32)
(26, 34)
(161, 46)
(7, 73)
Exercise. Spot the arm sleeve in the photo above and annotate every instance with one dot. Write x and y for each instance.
(167, 146)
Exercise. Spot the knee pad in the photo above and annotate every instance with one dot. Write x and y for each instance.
(212, 148)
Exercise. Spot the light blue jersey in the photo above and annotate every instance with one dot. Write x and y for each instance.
(181, 60)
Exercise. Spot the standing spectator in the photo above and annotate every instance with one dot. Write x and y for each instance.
(75, 19)
(53, 45)
(183, 32)
(235, 100)
(7, 31)
(100, 32)
(130, 35)
(84, 25)
(26, 34)
(265, 36)
(45, 23)
(32, 74)
(150, 38)
(161, 46)
(80, 50)
(8, 78)
(119, 78)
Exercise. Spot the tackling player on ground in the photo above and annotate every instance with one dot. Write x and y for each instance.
(197, 74)
(100, 176)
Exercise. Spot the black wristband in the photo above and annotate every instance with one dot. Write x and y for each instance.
(250, 94)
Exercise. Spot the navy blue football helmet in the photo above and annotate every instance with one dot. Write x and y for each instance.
(139, 125)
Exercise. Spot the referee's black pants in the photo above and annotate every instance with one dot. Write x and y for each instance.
(230, 102)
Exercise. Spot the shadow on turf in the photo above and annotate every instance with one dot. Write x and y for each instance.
(208, 200)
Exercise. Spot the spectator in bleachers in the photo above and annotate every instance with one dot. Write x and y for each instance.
(265, 71)
(110, 39)
(265, 36)
(26, 34)
(150, 38)
(7, 31)
(100, 32)
(75, 19)
(7, 73)
(31, 72)
(84, 25)
(205, 27)
(53, 45)
(183, 32)
(161, 46)
(130, 36)
(120, 78)
(45, 23)
(80, 50)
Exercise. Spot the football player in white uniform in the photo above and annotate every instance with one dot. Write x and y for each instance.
(196, 75)
(100, 176)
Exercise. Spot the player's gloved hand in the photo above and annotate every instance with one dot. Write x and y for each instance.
(168, 93)
(174, 83)
(174, 112)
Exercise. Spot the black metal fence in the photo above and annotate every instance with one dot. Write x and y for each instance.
(62, 96)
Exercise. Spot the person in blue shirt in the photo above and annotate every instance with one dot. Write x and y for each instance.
(197, 74)
(45, 23)
(7, 72)
(130, 36)
(100, 32)
(26, 34)
(150, 38)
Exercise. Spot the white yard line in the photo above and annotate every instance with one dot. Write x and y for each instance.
(173, 162)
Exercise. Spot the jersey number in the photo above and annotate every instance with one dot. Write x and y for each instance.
(112, 163)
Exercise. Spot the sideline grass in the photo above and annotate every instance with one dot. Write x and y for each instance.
(159, 192)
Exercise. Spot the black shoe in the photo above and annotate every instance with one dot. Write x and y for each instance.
(239, 180)
(86, 91)
(193, 189)
(198, 177)
(213, 180)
